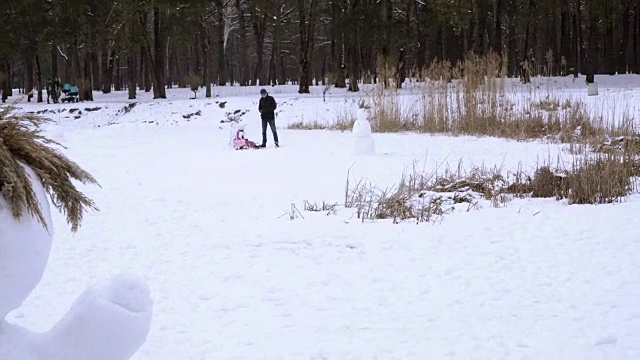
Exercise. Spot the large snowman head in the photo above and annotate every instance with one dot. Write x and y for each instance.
(109, 320)
(31, 171)
(24, 249)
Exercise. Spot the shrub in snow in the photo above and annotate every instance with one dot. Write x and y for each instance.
(109, 320)
(363, 142)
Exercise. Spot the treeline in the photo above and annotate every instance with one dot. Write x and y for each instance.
(154, 44)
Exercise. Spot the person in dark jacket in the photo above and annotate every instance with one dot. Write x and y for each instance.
(267, 108)
(50, 90)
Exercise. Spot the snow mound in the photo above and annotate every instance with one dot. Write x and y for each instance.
(122, 307)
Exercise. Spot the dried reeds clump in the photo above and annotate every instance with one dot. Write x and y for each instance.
(474, 97)
(21, 144)
(427, 197)
(602, 179)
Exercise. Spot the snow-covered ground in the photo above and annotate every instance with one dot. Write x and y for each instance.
(231, 278)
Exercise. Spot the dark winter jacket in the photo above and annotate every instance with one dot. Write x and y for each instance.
(267, 107)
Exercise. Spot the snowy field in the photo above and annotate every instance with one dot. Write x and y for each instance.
(231, 278)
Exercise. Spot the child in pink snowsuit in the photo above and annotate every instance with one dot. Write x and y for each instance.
(240, 142)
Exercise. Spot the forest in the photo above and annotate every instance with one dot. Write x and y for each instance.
(152, 45)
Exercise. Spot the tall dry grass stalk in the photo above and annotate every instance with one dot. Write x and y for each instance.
(345, 118)
(601, 179)
(21, 144)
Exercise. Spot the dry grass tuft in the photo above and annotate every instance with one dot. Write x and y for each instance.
(546, 183)
(426, 197)
(344, 122)
(330, 208)
(551, 104)
(601, 179)
(302, 125)
(22, 144)
(620, 144)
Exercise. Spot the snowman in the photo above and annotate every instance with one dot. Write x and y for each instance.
(363, 143)
(108, 321)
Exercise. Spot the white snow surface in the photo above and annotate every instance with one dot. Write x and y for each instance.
(231, 278)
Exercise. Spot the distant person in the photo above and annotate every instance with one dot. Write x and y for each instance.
(267, 108)
(50, 90)
(53, 90)
(57, 89)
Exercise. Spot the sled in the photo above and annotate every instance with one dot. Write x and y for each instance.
(248, 148)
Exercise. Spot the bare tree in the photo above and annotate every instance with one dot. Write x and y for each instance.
(307, 21)
(241, 9)
(259, 17)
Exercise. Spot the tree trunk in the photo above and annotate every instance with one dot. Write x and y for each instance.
(636, 40)
(54, 61)
(67, 65)
(401, 74)
(158, 60)
(259, 25)
(306, 31)
(132, 71)
(86, 88)
(205, 44)
(383, 61)
(222, 76)
(28, 73)
(279, 58)
(95, 70)
(479, 26)
(107, 76)
(577, 44)
(336, 59)
(353, 41)
(609, 49)
(243, 77)
(354, 69)
(271, 68)
(525, 64)
(512, 43)
(566, 60)
(142, 69)
(421, 49)
(117, 84)
(323, 66)
(497, 31)
(592, 42)
(622, 60)
(6, 83)
(39, 78)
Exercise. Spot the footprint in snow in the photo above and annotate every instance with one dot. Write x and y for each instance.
(607, 340)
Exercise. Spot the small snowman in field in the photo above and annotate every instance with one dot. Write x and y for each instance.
(363, 143)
